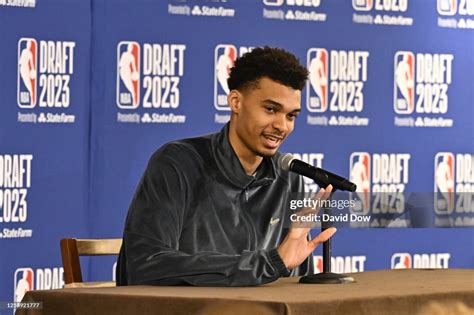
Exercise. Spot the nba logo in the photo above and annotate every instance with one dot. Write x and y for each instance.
(317, 86)
(23, 283)
(444, 183)
(401, 261)
(27, 72)
(224, 59)
(273, 2)
(318, 264)
(362, 5)
(403, 89)
(447, 7)
(128, 75)
(360, 175)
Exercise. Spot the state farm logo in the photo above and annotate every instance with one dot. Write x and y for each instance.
(431, 260)
(128, 75)
(421, 85)
(52, 73)
(385, 175)
(213, 8)
(315, 159)
(454, 185)
(380, 5)
(341, 264)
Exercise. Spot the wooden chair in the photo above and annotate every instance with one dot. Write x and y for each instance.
(72, 248)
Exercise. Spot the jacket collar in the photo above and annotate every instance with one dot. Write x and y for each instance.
(231, 168)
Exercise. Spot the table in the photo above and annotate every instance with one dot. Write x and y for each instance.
(398, 292)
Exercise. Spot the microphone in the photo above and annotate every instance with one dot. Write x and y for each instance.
(323, 178)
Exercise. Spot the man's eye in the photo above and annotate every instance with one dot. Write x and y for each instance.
(270, 109)
(292, 116)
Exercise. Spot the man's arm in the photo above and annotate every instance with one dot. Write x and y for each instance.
(152, 232)
(152, 263)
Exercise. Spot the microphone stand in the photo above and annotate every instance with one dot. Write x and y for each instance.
(327, 277)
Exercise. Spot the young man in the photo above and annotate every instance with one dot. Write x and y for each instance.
(211, 210)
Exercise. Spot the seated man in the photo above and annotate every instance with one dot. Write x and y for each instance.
(212, 210)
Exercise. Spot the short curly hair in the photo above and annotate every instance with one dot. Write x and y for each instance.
(275, 63)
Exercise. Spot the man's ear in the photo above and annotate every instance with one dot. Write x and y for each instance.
(234, 99)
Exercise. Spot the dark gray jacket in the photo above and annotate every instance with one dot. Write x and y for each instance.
(197, 218)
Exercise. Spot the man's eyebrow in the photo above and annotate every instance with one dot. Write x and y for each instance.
(274, 103)
(279, 105)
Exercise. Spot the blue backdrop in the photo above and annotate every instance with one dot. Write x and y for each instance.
(90, 89)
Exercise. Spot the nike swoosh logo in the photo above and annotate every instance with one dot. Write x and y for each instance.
(274, 221)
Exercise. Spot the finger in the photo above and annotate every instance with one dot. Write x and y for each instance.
(329, 188)
(323, 237)
(308, 210)
(327, 192)
(319, 194)
(322, 195)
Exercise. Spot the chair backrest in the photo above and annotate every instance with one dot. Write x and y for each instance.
(72, 248)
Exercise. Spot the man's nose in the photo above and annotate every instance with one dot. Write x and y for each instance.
(281, 123)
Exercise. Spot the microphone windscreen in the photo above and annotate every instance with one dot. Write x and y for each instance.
(284, 161)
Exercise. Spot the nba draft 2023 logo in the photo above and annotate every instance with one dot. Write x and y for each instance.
(383, 177)
(45, 70)
(336, 86)
(455, 13)
(454, 189)
(294, 10)
(149, 77)
(421, 85)
(387, 12)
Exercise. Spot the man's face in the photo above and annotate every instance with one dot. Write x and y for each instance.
(265, 116)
